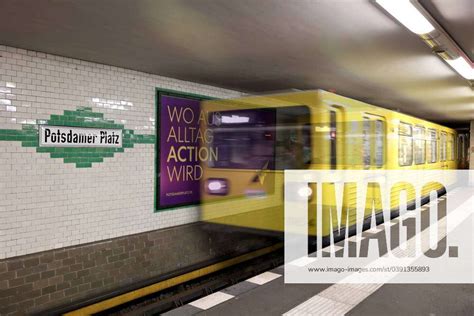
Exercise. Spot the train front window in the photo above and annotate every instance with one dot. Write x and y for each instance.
(270, 138)
(244, 139)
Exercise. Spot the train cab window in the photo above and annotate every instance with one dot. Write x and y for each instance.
(244, 139)
(405, 144)
(432, 148)
(443, 146)
(419, 144)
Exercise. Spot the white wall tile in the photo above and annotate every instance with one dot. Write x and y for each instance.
(47, 204)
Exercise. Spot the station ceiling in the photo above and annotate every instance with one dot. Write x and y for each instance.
(349, 46)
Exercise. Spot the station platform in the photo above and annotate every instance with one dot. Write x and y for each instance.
(268, 294)
(180, 157)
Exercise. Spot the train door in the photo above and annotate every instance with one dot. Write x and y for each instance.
(373, 141)
(374, 153)
(462, 151)
(443, 150)
(334, 133)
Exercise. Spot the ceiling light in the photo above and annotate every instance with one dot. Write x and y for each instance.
(407, 14)
(235, 119)
(462, 67)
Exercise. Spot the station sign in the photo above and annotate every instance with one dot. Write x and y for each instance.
(66, 136)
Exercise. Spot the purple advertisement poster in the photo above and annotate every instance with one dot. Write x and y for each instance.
(180, 169)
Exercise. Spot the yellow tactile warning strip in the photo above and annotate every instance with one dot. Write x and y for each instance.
(211, 300)
(130, 296)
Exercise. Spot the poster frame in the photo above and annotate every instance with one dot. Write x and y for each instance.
(172, 93)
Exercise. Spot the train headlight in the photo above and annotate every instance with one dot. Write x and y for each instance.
(305, 192)
(216, 186)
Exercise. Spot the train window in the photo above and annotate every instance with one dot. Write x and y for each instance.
(443, 146)
(451, 147)
(270, 138)
(405, 144)
(419, 144)
(333, 140)
(432, 149)
(379, 143)
(366, 143)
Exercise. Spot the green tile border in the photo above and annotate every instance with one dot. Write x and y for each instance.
(82, 157)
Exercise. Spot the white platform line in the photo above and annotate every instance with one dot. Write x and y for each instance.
(342, 297)
(356, 238)
(410, 214)
(264, 278)
(211, 300)
(332, 249)
(374, 230)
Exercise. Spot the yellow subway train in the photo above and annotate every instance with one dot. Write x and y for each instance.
(258, 137)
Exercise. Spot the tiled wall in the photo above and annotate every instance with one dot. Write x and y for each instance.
(47, 203)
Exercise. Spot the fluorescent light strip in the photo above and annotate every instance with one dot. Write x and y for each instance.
(407, 14)
(235, 119)
(462, 67)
